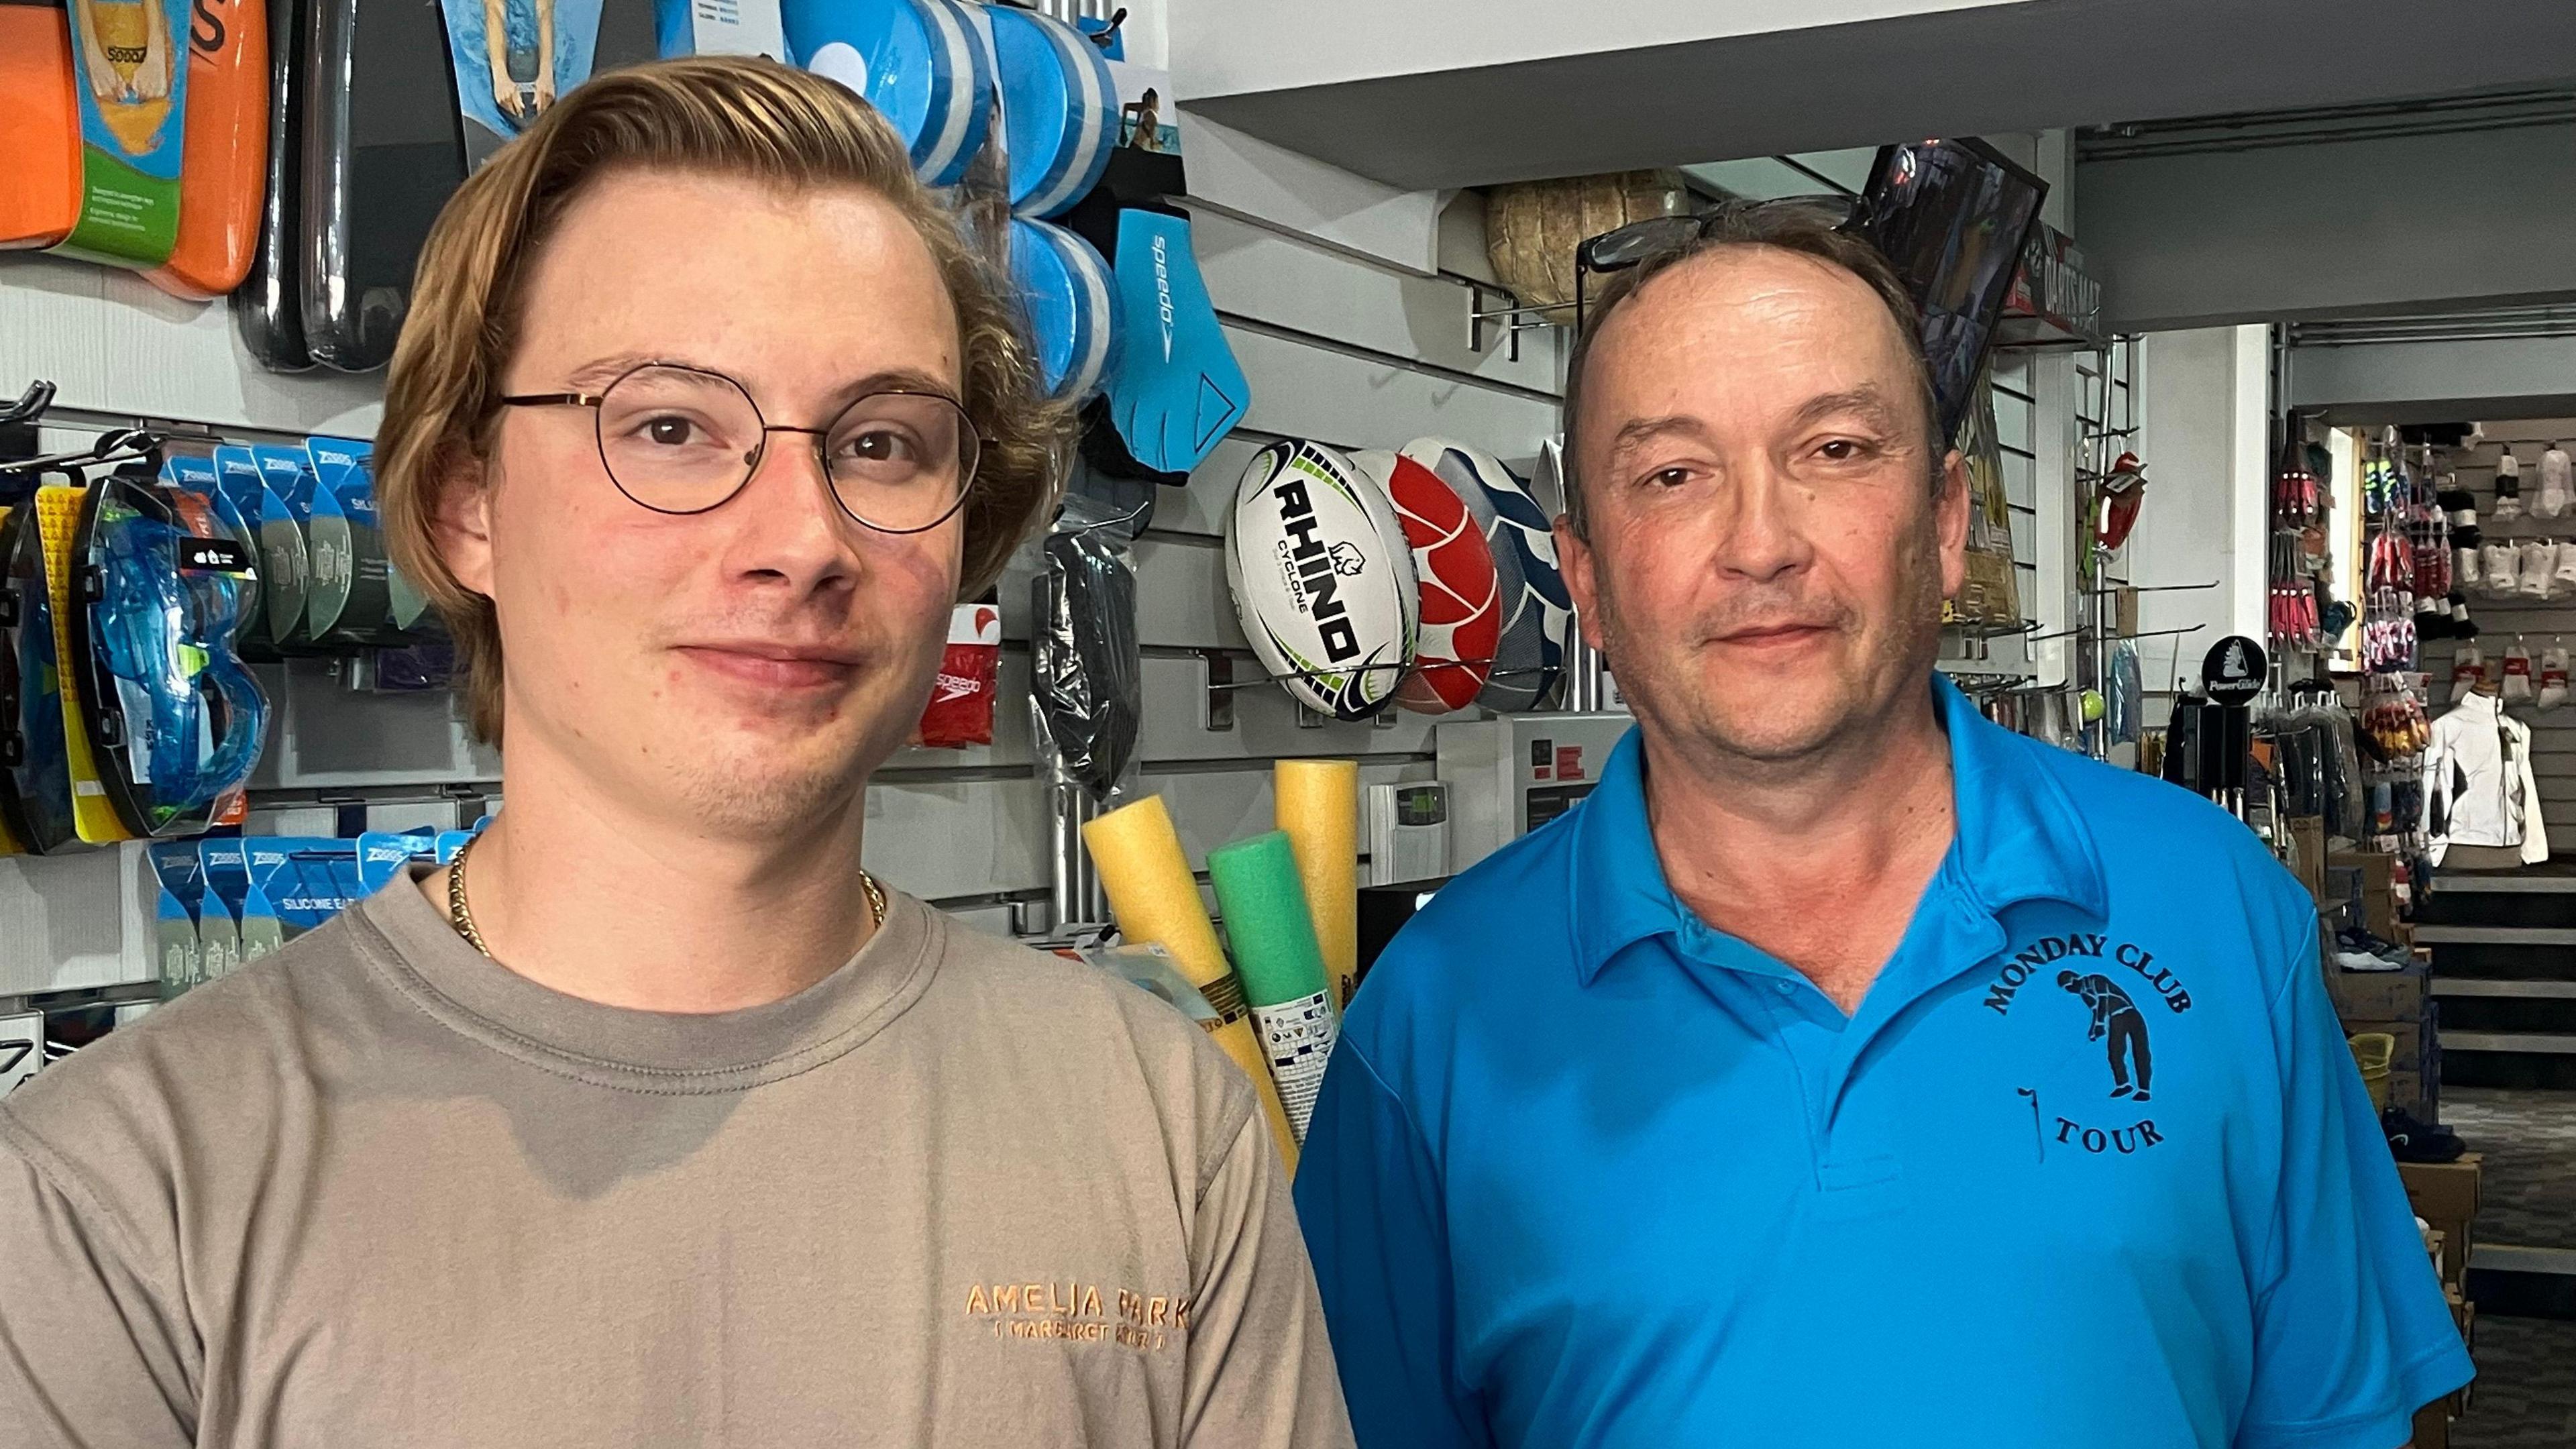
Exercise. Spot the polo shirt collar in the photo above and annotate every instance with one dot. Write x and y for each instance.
(2019, 838)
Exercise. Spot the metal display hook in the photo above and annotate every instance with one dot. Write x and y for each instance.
(2116, 638)
(116, 445)
(38, 397)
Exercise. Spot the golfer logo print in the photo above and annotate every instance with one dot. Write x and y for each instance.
(2102, 1002)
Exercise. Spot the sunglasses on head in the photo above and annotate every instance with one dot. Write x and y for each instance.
(1623, 248)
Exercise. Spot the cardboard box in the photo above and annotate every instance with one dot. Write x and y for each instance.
(2406, 1093)
(2377, 898)
(2445, 1194)
(2409, 1055)
(2379, 996)
(2433, 1426)
(2308, 843)
(2467, 1394)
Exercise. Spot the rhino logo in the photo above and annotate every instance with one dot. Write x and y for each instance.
(1347, 560)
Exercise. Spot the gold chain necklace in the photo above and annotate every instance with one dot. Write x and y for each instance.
(461, 916)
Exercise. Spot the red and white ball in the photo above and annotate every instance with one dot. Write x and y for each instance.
(1461, 602)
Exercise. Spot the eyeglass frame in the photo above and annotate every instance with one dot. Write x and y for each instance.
(1587, 253)
(751, 466)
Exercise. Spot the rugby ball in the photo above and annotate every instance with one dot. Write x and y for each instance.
(1322, 578)
(1537, 612)
(1461, 607)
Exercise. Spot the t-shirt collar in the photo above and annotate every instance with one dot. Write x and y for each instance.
(649, 1050)
(2019, 838)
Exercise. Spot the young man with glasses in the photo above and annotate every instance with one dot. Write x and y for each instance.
(656, 1119)
(1738, 1106)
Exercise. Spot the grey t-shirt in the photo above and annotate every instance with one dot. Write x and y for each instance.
(378, 1191)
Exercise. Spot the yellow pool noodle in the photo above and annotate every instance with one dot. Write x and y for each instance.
(1156, 899)
(1318, 803)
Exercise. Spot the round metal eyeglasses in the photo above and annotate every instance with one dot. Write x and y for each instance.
(685, 440)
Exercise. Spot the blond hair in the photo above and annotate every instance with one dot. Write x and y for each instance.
(733, 117)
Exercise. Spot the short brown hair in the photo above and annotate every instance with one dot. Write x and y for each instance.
(735, 117)
(1807, 230)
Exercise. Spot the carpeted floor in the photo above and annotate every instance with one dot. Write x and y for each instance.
(2526, 1394)
(2528, 1187)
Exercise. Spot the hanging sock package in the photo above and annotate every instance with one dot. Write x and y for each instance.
(2517, 675)
(2508, 488)
(2553, 676)
(2468, 671)
(2501, 564)
(2537, 564)
(2554, 484)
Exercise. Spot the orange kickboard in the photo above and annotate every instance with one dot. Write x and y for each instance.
(223, 165)
(39, 126)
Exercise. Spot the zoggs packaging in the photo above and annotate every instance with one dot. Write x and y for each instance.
(285, 502)
(356, 605)
(304, 880)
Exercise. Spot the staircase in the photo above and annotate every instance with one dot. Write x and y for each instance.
(2504, 988)
(2504, 972)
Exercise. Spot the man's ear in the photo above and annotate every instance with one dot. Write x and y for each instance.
(461, 522)
(1950, 523)
(1576, 561)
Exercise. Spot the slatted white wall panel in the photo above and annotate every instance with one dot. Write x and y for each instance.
(2539, 624)
(1355, 352)
(1342, 339)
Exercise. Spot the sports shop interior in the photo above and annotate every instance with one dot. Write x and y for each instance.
(2261, 323)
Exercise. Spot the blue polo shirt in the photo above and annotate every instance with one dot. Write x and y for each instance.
(2090, 1166)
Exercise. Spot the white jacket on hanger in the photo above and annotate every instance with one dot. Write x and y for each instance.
(2478, 785)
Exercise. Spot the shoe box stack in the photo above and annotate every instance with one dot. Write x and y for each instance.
(2445, 1195)
(2368, 880)
(2393, 1001)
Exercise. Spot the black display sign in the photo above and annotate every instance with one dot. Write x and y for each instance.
(2234, 671)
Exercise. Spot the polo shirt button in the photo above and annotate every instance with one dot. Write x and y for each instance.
(1787, 986)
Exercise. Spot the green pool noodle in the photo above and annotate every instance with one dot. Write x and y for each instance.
(1264, 903)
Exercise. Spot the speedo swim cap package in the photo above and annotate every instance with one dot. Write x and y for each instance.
(286, 499)
(35, 773)
(305, 879)
(175, 722)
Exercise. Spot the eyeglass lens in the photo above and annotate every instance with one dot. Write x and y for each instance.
(677, 440)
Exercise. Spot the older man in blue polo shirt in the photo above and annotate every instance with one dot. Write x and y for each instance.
(1795, 1088)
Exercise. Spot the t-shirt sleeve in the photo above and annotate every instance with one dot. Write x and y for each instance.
(1260, 1367)
(91, 1354)
(1369, 1196)
(2351, 1333)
